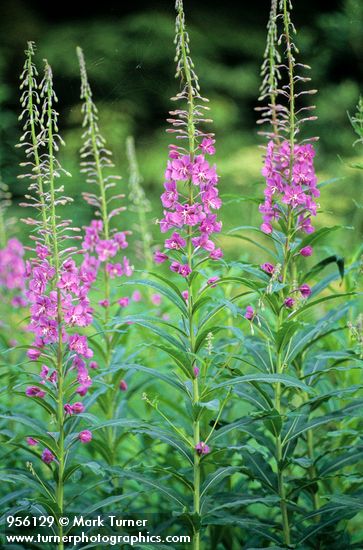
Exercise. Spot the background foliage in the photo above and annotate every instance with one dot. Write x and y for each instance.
(130, 58)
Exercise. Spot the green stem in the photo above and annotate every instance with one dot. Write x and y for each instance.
(195, 396)
(60, 398)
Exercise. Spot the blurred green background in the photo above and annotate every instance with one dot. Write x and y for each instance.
(129, 51)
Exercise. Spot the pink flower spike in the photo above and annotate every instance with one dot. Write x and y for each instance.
(123, 385)
(47, 456)
(306, 251)
(202, 448)
(31, 442)
(85, 436)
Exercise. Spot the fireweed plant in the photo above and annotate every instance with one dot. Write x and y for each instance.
(57, 291)
(104, 252)
(299, 402)
(191, 202)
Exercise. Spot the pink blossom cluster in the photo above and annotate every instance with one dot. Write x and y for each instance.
(12, 271)
(290, 182)
(190, 215)
(52, 301)
(99, 251)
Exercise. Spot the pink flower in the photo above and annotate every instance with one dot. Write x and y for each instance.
(305, 290)
(160, 257)
(182, 269)
(175, 242)
(106, 249)
(123, 302)
(212, 281)
(77, 407)
(31, 442)
(266, 228)
(185, 295)
(196, 371)
(68, 409)
(156, 299)
(85, 436)
(33, 354)
(268, 268)
(250, 313)
(181, 168)
(136, 296)
(47, 456)
(114, 270)
(123, 385)
(289, 302)
(202, 448)
(34, 391)
(216, 254)
(104, 303)
(306, 251)
(93, 365)
(78, 344)
(207, 146)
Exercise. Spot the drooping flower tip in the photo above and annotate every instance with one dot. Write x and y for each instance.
(123, 385)
(47, 456)
(202, 448)
(306, 251)
(85, 436)
(268, 268)
(250, 313)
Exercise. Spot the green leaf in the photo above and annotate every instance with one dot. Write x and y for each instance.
(168, 289)
(284, 379)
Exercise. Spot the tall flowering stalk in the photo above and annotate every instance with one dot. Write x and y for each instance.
(57, 289)
(103, 245)
(285, 297)
(190, 200)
